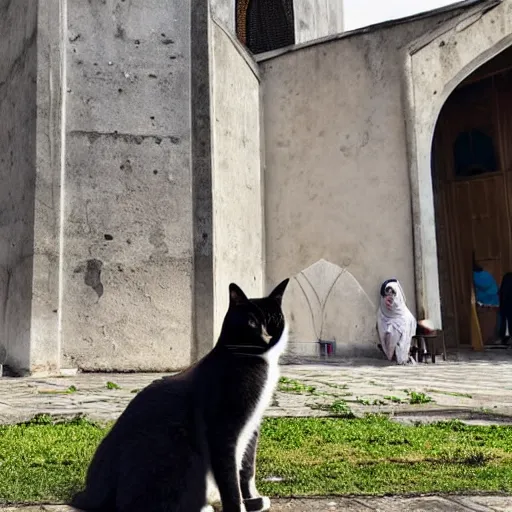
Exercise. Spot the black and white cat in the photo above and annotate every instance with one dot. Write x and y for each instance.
(186, 436)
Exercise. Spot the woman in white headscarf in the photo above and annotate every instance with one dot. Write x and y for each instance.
(395, 323)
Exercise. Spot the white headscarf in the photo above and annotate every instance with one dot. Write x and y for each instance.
(395, 319)
(395, 307)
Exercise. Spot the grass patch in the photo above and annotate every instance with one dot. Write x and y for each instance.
(416, 397)
(46, 461)
(449, 393)
(394, 399)
(313, 456)
(337, 408)
(333, 385)
(69, 391)
(43, 461)
(297, 387)
(113, 385)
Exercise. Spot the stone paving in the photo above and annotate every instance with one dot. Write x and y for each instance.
(478, 391)
(388, 504)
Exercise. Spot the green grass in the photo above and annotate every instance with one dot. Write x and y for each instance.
(394, 399)
(287, 385)
(336, 408)
(376, 456)
(43, 461)
(113, 385)
(450, 393)
(68, 391)
(40, 461)
(416, 397)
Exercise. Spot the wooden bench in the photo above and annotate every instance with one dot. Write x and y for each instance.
(430, 342)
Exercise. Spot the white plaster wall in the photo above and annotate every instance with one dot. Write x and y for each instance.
(238, 239)
(336, 175)
(317, 18)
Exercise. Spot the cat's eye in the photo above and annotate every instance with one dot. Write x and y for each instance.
(253, 324)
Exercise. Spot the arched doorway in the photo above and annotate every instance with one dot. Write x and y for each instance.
(472, 184)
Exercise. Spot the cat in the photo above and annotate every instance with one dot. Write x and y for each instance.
(196, 433)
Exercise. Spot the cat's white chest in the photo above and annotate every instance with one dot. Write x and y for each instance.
(272, 359)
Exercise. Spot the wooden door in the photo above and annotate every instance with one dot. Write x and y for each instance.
(472, 210)
(479, 220)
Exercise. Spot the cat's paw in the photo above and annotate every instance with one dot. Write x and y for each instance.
(207, 508)
(259, 504)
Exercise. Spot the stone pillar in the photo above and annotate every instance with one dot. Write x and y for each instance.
(102, 256)
(128, 261)
(30, 85)
(223, 12)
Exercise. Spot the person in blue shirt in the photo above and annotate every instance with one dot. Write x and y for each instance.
(486, 292)
(486, 289)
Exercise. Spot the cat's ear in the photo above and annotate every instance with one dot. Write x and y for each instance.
(236, 295)
(278, 292)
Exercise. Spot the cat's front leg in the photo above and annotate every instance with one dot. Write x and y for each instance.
(252, 499)
(225, 472)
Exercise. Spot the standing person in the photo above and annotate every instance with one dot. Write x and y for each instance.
(395, 323)
(506, 308)
(487, 302)
(486, 289)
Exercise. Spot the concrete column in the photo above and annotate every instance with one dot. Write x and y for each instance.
(104, 148)
(45, 334)
(128, 259)
(223, 11)
(202, 182)
(29, 196)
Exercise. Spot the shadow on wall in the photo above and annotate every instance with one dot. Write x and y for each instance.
(326, 302)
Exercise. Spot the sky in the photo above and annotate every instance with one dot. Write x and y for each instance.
(361, 13)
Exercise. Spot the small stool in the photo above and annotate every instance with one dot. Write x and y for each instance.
(430, 343)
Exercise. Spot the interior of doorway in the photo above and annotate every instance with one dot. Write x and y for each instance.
(472, 181)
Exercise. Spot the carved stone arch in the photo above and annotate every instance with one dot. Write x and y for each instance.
(326, 302)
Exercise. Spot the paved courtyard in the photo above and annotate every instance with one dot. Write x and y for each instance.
(477, 391)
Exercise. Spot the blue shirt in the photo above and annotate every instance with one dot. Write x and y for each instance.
(486, 289)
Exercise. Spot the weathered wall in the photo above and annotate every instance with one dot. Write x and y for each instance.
(317, 18)
(336, 175)
(45, 344)
(128, 249)
(224, 13)
(201, 182)
(18, 62)
(236, 175)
